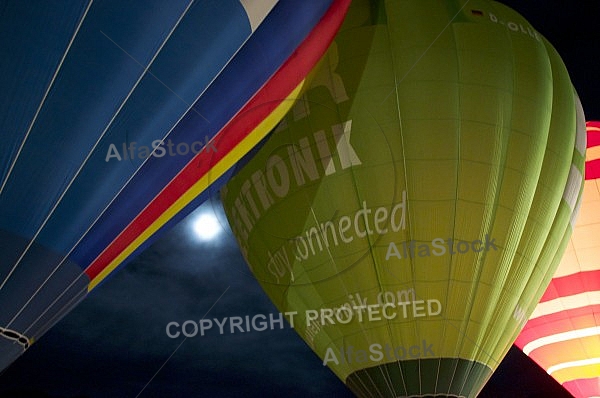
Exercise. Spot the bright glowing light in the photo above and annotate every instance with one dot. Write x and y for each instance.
(206, 226)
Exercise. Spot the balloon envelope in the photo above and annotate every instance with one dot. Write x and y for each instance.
(563, 333)
(405, 213)
(117, 118)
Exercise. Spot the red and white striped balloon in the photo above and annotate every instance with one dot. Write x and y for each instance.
(563, 333)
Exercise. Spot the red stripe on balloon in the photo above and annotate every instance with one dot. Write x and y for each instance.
(583, 387)
(581, 282)
(593, 134)
(559, 322)
(262, 104)
(593, 138)
(592, 169)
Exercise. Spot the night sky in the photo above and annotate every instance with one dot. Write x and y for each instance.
(114, 343)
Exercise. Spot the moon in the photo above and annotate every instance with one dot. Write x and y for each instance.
(206, 226)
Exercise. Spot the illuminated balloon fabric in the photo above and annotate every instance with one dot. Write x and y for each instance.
(563, 333)
(126, 75)
(434, 168)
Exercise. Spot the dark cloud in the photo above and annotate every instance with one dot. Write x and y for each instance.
(116, 340)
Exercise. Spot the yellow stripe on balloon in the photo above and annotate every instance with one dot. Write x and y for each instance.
(257, 134)
(592, 153)
(583, 369)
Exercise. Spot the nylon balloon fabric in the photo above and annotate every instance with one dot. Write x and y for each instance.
(406, 212)
(562, 333)
(118, 119)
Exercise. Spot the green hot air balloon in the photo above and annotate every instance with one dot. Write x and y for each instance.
(406, 212)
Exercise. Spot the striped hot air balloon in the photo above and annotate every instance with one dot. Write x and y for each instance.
(563, 334)
(116, 119)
